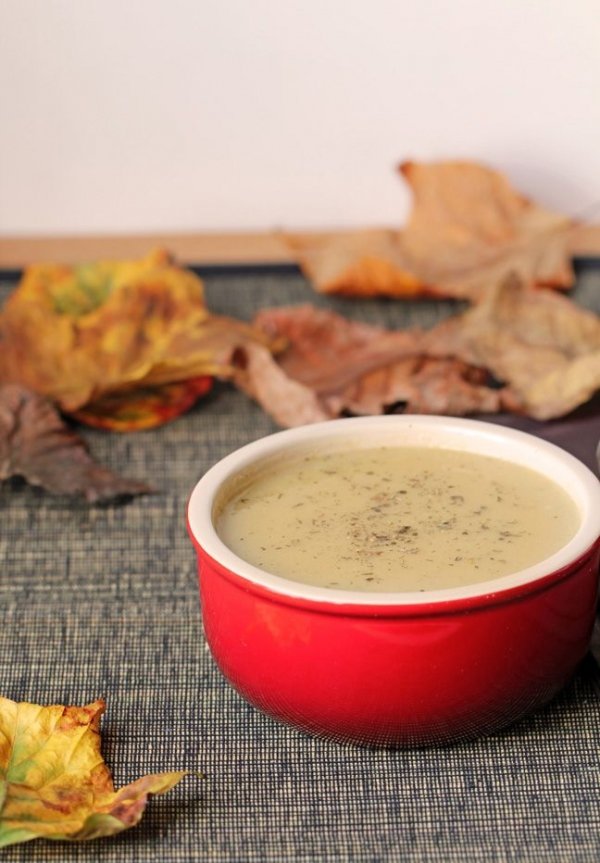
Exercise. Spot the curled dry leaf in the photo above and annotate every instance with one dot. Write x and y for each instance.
(109, 340)
(369, 263)
(532, 352)
(541, 344)
(467, 230)
(287, 401)
(54, 783)
(76, 333)
(327, 351)
(332, 366)
(36, 444)
(145, 407)
(420, 384)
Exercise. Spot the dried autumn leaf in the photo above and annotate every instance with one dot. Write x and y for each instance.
(74, 333)
(54, 783)
(326, 350)
(286, 400)
(467, 230)
(36, 444)
(83, 335)
(527, 351)
(543, 346)
(143, 408)
(332, 366)
(367, 263)
(584, 241)
(423, 385)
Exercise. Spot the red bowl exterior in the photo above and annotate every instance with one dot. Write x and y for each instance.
(400, 675)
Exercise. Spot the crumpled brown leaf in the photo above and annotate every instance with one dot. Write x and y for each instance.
(36, 444)
(540, 343)
(532, 352)
(81, 334)
(420, 384)
(326, 350)
(54, 783)
(333, 365)
(468, 229)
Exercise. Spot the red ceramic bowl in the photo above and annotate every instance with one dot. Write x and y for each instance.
(401, 668)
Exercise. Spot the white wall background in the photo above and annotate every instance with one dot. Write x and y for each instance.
(129, 115)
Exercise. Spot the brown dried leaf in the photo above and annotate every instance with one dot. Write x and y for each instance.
(422, 385)
(366, 263)
(332, 366)
(467, 230)
(35, 444)
(327, 351)
(287, 401)
(543, 346)
(584, 241)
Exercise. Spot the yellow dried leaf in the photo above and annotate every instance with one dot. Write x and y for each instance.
(74, 333)
(54, 783)
(103, 335)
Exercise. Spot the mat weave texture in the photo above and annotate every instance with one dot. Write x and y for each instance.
(103, 601)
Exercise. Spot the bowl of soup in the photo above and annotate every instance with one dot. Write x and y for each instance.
(398, 580)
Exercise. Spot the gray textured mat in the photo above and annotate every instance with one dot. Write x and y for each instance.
(103, 601)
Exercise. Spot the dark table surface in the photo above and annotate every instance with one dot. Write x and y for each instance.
(103, 601)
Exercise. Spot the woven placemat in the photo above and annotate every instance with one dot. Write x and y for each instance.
(103, 601)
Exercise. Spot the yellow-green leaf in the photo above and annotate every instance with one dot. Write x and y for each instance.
(53, 780)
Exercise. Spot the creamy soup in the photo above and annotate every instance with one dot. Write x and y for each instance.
(395, 519)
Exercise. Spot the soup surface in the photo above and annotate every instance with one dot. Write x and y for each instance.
(395, 518)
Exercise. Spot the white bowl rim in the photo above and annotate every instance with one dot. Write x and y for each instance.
(586, 489)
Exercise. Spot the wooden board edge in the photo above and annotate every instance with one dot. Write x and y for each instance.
(234, 248)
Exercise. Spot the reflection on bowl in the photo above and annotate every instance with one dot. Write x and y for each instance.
(402, 667)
